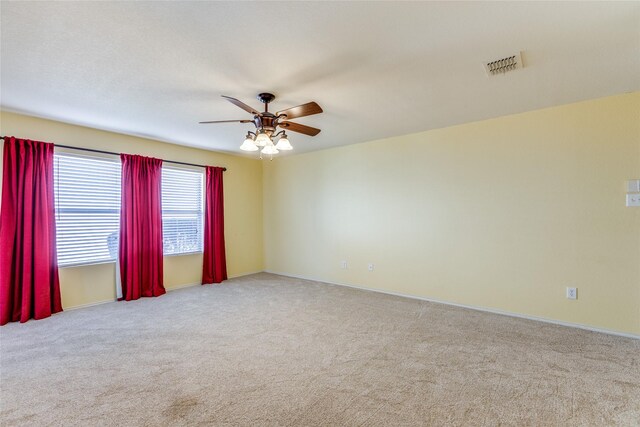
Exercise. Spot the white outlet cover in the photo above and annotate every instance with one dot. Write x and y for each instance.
(370, 267)
(633, 200)
(572, 293)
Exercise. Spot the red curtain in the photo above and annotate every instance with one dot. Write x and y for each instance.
(214, 269)
(140, 248)
(29, 286)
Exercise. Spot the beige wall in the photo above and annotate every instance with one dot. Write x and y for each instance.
(501, 214)
(243, 206)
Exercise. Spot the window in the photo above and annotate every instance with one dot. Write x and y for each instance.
(182, 210)
(87, 198)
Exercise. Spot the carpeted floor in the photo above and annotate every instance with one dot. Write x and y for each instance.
(270, 350)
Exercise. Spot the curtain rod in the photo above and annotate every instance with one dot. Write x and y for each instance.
(117, 154)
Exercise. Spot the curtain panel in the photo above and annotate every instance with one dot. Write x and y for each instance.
(214, 269)
(140, 243)
(29, 284)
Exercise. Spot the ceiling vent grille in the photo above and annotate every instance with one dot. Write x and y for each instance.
(503, 65)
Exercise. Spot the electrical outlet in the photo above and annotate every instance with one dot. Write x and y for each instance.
(370, 267)
(343, 265)
(633, 199)
(572, 293)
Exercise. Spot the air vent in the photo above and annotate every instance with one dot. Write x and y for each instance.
(503, 65)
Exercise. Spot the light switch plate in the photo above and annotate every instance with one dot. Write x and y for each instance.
(633, 186)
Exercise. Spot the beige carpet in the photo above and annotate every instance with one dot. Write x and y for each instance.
(269, 350)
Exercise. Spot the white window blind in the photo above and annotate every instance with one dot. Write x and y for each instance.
(182, 210)
(87, 197)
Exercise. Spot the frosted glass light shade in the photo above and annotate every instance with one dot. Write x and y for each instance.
(269, 149)
(262, 139)
(249, 145)
(284, 144)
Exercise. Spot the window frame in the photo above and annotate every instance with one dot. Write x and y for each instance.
(61, 151)
(200, 171)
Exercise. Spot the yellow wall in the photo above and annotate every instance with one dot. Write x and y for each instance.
(243, 206)
(501, 214)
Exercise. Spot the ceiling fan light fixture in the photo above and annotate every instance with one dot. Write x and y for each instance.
(283, 143)
(248, 144)
(267, 137)
(263, 139)
(269, 149)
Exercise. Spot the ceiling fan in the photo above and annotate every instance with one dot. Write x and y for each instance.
(266, 124)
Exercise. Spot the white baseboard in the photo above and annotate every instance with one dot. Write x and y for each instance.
(186, 285)
(173, 288)
(91, 304)
(246, 274)
(471, 307)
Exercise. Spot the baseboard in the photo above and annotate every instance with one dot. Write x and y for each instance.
(91, 304)
(246, 274)
(173, 288)
(186, 285)
(471, 307)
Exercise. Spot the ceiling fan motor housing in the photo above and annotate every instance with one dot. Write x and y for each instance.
(266, 121)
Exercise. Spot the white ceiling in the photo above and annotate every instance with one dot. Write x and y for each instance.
(379, 69)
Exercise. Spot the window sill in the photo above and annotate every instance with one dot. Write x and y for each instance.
(85, 264)
(185, 253)
(113, 261)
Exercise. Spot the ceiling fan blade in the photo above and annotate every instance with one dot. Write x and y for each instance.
(297, 127)
(227, 121)
(240, 104)
(303, 110)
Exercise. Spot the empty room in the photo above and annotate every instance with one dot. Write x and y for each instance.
(319, 213)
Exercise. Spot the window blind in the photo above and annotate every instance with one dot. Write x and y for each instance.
(182, 210)
(87, 199)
